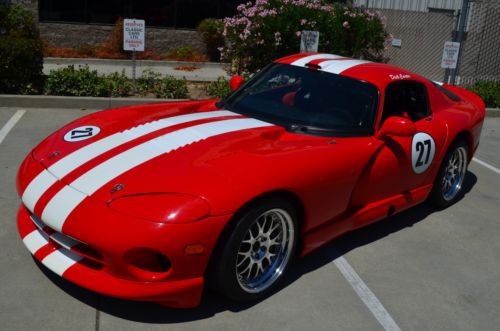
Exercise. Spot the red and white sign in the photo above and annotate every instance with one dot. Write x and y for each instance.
(133, 34)
(450, 55)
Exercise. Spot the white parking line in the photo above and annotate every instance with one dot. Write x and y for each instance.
(489, 166)
(366, 295)
(10, 124)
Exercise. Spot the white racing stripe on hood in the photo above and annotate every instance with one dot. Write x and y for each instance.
(36, 188)
(338, 66)
(305, 60)
(40, 184)
(66, 200)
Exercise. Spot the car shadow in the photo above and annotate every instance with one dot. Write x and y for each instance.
(212, 303)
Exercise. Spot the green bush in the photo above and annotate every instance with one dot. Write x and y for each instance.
(118, 84)
(170, 87)
(182, 53)
(145, 83)
(76, 82)
(219, 88)
(82, 81)
(211, 30)
(268, 29)
(21, 56)
(162, 87)
(489, 91)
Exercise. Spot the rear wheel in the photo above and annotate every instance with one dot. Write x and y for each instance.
(448, 184)
(258, 251)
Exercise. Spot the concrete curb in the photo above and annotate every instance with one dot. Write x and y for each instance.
(49, 101)
(140, 63)
(202, 71)
(492, 112)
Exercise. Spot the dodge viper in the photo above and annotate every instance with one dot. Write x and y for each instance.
(154, 202)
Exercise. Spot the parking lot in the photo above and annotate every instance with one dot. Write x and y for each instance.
(419, 270)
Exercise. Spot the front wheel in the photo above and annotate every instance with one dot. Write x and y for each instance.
(449, 181)
(258, 251)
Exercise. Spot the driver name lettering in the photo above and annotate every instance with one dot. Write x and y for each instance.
(399, 76)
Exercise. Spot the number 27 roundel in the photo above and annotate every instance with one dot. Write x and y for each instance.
(423, 149)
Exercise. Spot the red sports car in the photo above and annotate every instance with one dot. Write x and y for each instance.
(150, 202)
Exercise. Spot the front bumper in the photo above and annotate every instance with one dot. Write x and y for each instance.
(183, 285)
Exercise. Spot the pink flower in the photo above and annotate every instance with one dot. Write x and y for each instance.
(346, 25)
(298, 33)
(303, 21)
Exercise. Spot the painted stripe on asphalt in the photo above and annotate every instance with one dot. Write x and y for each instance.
(10, 124)
(486, 165)
(366, 295)
(67, 199)
(305, 60)
(61, 260)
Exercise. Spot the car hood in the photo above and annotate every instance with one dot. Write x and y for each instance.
(176, 148)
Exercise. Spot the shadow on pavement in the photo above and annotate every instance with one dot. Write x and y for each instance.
(212, 303)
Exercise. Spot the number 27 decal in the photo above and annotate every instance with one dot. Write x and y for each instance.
(423, 149)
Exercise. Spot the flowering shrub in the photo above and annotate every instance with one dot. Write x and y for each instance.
(268, 29)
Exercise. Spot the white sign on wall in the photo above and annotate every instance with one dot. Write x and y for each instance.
(396, 42)
(450, 55)
(133, 34)
(309, 41)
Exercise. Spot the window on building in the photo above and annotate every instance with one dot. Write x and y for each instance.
(183, 14)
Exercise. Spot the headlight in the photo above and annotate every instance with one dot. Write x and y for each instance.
(162, 207)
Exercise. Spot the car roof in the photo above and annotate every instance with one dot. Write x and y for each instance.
(379, 74)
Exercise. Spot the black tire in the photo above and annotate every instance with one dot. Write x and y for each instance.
(440, 197)
(224, 268)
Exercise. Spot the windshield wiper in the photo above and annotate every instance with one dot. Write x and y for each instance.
(308, 129)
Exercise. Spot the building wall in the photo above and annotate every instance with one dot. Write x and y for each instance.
(72, 35)
(481, 49)
(411, 5)
(423, 33)
(422, 38)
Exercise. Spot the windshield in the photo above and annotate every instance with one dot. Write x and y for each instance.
(308, 100)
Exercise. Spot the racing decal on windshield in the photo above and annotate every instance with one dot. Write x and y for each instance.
(423, 149)
(82, 133)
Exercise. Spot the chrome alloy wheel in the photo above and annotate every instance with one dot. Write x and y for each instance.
(265, 250)
(454, 173)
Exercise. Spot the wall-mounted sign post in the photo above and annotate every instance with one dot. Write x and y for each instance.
(133, 39)
(309, 41)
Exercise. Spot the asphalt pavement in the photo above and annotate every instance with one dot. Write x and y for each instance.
(423, 269)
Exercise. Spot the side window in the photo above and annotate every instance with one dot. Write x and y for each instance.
(406, 99)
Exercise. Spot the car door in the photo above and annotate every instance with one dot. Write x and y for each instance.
(401, 164)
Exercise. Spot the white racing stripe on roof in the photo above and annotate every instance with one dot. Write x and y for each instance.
(305, 60)
(35, 240)
(337, 67)
(60, 260)
(41, 183)
(66, 200)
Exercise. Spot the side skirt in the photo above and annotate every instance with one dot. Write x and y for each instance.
(356, 218)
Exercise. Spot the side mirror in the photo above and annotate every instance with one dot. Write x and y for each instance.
(396, 126)
(235, 82)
